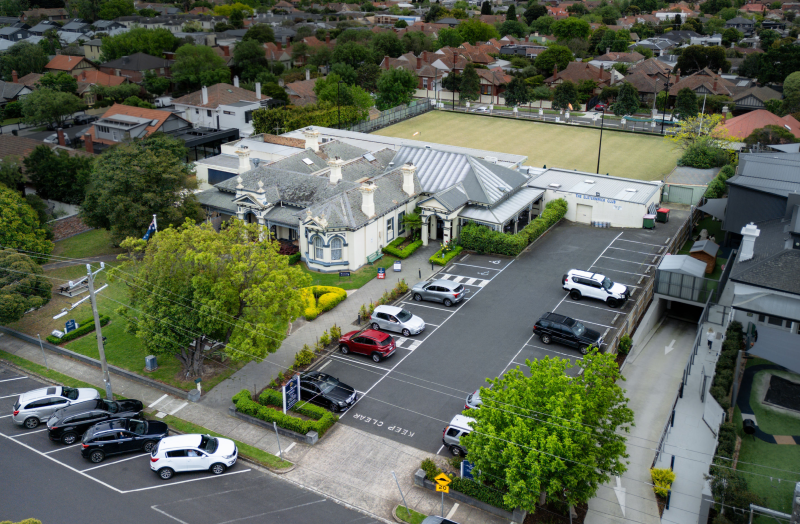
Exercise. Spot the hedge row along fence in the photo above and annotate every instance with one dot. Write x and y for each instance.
(394, 249)
(468, 487)
(718, 187)
(723, 377)
(440, 260)
(87, 326)
(319, 299)
(268, 409)
(484, 240)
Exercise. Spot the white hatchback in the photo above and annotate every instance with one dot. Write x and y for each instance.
(392, 318)
(192, 453)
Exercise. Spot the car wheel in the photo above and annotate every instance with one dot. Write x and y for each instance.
(344, 349)
(456, 451)
(612, 303)
(332, 407)
(218, 469)
(575, 294)
(31, 422)
(97, 456)
(545, 339)
(375, 326)
(376, 357)
(448, 302)
(417, 297)
(165, 473)
(406, 333)
(584, 350)
(148, 446)
(69, 438)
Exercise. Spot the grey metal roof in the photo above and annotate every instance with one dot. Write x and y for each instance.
(452, 198)
(10, 90)
(773, 259)
(691, 176)
(504, 211)
(341, 149)
(775, 173)
(607, 186)
(228, 161)
(787, 148)
(683, 264)
(284, 215)
(216, 199)
(705, 246)
(770, 304)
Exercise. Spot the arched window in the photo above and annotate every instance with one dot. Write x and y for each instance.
(318, 248)
(336, 249)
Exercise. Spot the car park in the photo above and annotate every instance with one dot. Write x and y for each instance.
(594, 285)
(81, 120)
(393, 318)
(121, 436)
(452, 433)
(444, 291)
(552, 327)
(68, 424)
(184, 453)
(376, 344)
(326, 391)
(37, 406)
(474, 400)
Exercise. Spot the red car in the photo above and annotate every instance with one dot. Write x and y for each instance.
(376, 344)
(602, 106)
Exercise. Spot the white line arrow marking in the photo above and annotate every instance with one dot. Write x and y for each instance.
(620, 492)
(669, 348)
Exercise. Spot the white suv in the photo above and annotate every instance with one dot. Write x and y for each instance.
(594, 285)
(192, 453)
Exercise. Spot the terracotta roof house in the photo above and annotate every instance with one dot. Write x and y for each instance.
(760, 9)
(651, 67)
(58, 13)
(703, 82)
(277, 52)
(647, 86)
(755, 98)
(73, 65)
(742, 126)
(222, 106)
(301, 93)
(134, 66)
(577, 71)
(122, 123)
(493, 84)
(20, 147)
(219, 94)
(559, 13)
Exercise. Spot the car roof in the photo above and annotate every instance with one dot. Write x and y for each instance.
(180, 441)
(40, 393)
(446, 283)
(392, 310)
(555, 317)
(374, 334)
(460, 421)
(587, 274)
(78, 407)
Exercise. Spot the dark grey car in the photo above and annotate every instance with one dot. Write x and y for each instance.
(444, 291)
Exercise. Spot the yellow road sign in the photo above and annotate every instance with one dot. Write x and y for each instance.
(443, 489)
(442, 479)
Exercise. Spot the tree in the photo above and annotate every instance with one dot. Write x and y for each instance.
(261, 33)
(534, 13)
(236, 19)
(769, 135)
(577, 9)
(473, 31)
(367, 76)
(697, 129)
(512, 27)
(137, 40)
(249, 59)
(351, 53)
(156, 85)
(61, 81)
(627, 100)
(401, 24)
(511, 13)
(751, 65)
(135, 101)
(449, 38)
(413, 222)
(554, 56)
(112, 9)
(470, 87)
(778, 63)
(232, 286)
(22, 288)
(565, 95)
(115, 93)
(768, 37)
(13, 7)
(517, 92)
(395, 87)
(329, 90)
(131, 182)
(10, 173)
(416, 42)
(486, 8)
(434, 13)
(197, 65)
(541, 93)
(45, 106)
(696, 57)
(386, 44)
(227, 10)
(714, 6)
(24, 58)
(20, 227)
(345, 72)
(530, 436)
(571, 28)
(686, 104)
(791, 85)
(57, 175)
(221, 27)
(731, 36)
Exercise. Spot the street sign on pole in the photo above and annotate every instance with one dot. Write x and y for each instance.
(442, 481)
(291, 393)
(443, 489)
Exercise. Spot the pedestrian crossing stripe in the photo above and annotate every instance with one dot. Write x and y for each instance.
(479, 282)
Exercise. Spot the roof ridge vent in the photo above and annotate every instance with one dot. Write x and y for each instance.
(554, 185)
(589, 181)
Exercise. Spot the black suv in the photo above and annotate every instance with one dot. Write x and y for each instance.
(552, 327)
(85, 119)
(121, 436)
(68, 424)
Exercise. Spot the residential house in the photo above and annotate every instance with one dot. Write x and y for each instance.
(276, 52)
(91, 49)
(58, 13)
(493, 84)
(12, 92)
(88, 78)
(657, 44)
(73, 65)
(611, 58)
(45, 25)
(559, 13)
(301, 93)
(754, 9)
(530, 51)
(681, 10)
(707, 40)
(754, 98)
(704, 82)
(15, 33)
(579, 71)
(742, 126)
(744, 25)
(221, 106)
(134, 67)
(106, 26)
(76, 25)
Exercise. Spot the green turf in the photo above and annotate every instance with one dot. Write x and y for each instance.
(627, 155)
(89, 244)
(245, 450)
(357, 278)
(409, 515)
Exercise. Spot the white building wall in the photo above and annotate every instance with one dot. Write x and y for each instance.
(618, 213)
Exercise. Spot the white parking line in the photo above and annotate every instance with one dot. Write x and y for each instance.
(157, 401)
(640, 252)
(554, 351)
(452, 511)
(429, 307)
(515, 356)
(595, 307)
(287, 450)
(61, 448)
(440, 449)
(324, 365)
(14, 395)
(185, 481)
(481, 267)
(594, 323)
(4, 416)
(628, 261)
(10, 379)
(179, 408)
(28, 433)
(618, 271)
(345, 359)
(116, 462)
(635, 242)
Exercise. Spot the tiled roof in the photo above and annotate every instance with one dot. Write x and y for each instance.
(577, 71)
(10, 90)
(64, 62)
(741, 126)
(219, 94)
(99, 78)
(496, 77)
(151, 114)
(138, 62)
(303, 89)
(30, 79)
(651, 66)
(713, 82)
(644, 83)
(21, 147)
(761, 93)
(626, 58)
(772, 261)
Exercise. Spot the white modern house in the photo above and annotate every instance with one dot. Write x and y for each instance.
(222, 106)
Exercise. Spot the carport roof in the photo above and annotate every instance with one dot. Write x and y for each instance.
(610, 187)
(777, 346)
(506, 210)
(683, 264)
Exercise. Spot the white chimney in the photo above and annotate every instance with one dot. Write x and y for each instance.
(749, 235)
(258, 90)
(408, 170)
(204, 91)
(312, 139)
(336, 169)
(368, 198)
(235, 81)
(244, 160)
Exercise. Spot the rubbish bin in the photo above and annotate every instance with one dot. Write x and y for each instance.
(662, 215)
(649, 222)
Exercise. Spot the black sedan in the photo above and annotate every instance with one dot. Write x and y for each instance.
(121, 436)
(327, 391)
(85, 119)
(552, 327)
(68, 424)
(52, 126)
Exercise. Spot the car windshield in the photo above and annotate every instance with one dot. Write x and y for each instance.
(209, 444)
(404, 316)
(110, 406)
(607, 283)
(70, 393)
(578, 329)
(328, 384)
(137, 426)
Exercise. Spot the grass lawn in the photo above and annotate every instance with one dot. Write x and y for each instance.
(627, 155)
(357, 278)
(90, 244)
(403, 514)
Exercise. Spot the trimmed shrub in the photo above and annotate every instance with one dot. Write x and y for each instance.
(406, 252)
(329, 297)
(336, 333)
(442, 261)
(294, 259)
(468, 487)
(662, 480)
(87, 326)
(303, 358)
(625, 344)
(323, 419)
(324, 339)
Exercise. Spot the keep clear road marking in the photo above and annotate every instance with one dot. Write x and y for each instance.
(669, 348)
(619, 491)
(186, 404)
(452, 511)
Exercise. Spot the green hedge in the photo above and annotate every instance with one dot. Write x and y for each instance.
(406, 252)
(442, 261)
(329, 297)
(484, 240)
(723, 377)
(322, 418)
(294, 259)
(87, 326)
(468, 487)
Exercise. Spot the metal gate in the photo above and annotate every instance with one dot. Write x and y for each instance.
(678, 194)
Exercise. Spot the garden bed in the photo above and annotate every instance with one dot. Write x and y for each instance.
(267, 409)
(402, 247)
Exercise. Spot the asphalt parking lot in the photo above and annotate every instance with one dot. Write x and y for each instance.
(411, 396)
(53, 483)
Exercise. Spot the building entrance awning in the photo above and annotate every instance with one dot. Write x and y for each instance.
(777, 346)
